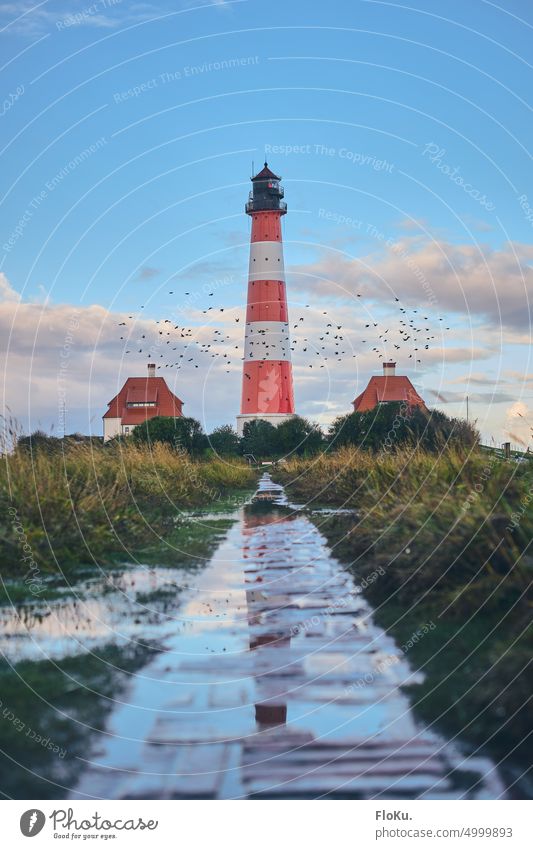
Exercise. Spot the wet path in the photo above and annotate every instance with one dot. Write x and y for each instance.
(277, 683)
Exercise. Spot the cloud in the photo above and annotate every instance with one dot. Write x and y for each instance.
(50, 353)
(518, 423)
(147, 273)
(7, 293)
(519, 377)
(486, 398)
(30, 19)
(60, 354)
(414, 224)
(479, 282)
(478, 224)
(212, 273)
(480, 379)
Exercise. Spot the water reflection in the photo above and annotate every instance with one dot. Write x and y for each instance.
(279, 684)
(112, 608)
(270, 710)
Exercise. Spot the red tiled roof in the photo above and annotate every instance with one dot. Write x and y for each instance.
(139, 395)
(382, 389)
(137, 390)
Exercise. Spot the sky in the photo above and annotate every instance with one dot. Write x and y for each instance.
(129, 131)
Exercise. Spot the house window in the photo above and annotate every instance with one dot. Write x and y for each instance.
(126, 430)
(141, 404)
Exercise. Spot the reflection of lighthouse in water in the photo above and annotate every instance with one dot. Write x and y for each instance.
(271, 698)
(267, 390)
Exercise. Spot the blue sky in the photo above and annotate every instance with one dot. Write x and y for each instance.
(402, 136)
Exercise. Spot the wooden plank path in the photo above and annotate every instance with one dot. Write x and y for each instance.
(277, 684)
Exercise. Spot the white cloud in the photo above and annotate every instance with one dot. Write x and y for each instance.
(480, 282)
(47, 350)
(55, 353)
(7, 293)
(519, 424)
(32, 19)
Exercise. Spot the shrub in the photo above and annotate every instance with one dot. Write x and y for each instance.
(299, 436)
(260, 439)
(224, 441)
(182, 433)
(390, 426)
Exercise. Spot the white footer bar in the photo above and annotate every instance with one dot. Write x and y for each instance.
(265, 824)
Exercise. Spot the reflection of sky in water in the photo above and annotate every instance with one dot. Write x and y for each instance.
(111, 609)
(265, 678)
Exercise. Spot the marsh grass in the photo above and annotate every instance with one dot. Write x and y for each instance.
(92, 503)
(452, 532)
(65, 511)
(444, 518)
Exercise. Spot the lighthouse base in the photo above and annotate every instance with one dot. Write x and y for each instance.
(274, 419)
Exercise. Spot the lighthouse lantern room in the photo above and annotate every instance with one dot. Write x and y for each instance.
(267, 388)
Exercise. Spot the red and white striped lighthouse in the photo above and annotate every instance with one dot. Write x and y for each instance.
(267, 390)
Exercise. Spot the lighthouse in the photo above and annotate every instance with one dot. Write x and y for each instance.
(267, 390)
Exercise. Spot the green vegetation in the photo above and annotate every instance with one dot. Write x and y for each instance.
(49, 712)
(295, 436)
(95, 503)
(394, 425)
(451, 532)
(190, 542)
(387, 428)
(74, 502)
(261, 439)
(224, 441)
(183, 434)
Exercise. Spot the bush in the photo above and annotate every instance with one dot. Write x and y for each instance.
(390, 426)
(224, 441)
(182, 433)
(39, 441)
(260, 439)
(299, 436)
(292, 436)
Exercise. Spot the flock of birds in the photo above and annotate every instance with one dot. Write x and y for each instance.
(180, 346)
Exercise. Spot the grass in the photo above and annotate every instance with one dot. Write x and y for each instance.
(452, 533)
(457, 508)
(92, 504)
(62, 513)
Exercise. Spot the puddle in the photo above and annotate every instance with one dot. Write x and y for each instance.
(138, 602)
(275, 682)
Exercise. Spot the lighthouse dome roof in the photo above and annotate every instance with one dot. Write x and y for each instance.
(266, 174)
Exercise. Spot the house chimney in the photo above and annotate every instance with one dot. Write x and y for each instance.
(151, 369)
(389, 369)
